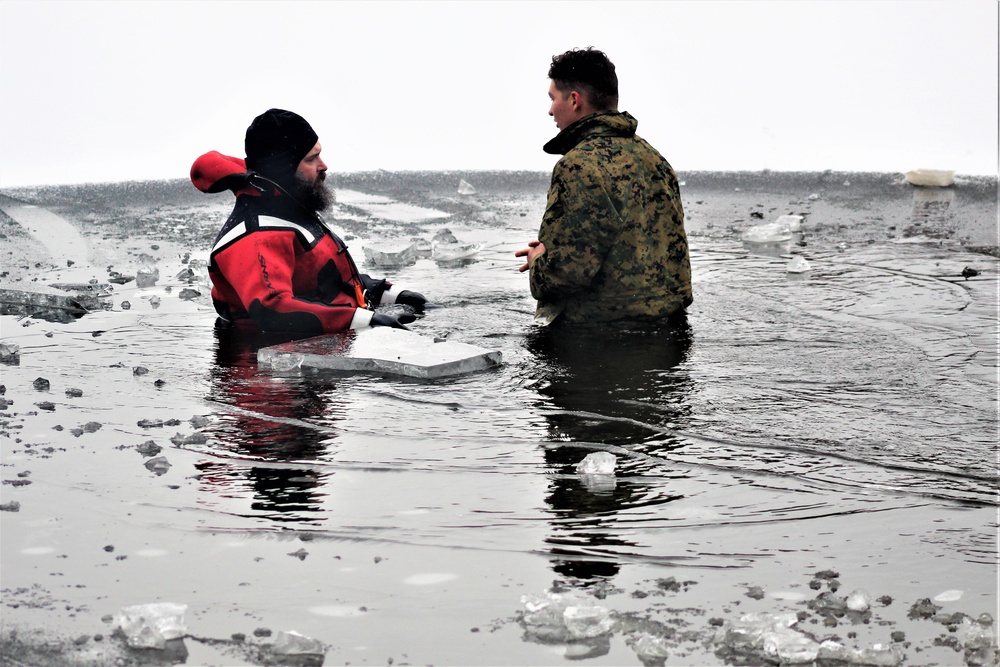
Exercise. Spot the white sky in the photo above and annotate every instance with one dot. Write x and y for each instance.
(114, 91)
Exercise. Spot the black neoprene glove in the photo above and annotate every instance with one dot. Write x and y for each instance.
(396, 321)
(415, 300)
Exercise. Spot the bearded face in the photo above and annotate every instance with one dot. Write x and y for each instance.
(314, 195)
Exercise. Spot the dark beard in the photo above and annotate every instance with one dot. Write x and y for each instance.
(316, 197)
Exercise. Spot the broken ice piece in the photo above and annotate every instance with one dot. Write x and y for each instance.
(152, 625)
(932, 178)
(798, 264)
(291, 642)
(597, 463)
(453, 252)
(859, 600)
(394, 258)
(159, 465)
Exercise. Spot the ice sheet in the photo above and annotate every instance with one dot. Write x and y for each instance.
(381, 350)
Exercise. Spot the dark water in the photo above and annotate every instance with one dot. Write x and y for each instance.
(862, 390)
(863, 385)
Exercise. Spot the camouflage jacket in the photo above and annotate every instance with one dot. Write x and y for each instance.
(613, 229)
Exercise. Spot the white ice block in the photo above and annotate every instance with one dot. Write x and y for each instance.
(381, 350)
(931, 178)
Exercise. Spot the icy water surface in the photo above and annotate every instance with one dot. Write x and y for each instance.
(843, 417)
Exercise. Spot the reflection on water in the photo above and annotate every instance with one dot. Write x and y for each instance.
(931, 205)
(618, 387)
(860, 387)
(268, 428)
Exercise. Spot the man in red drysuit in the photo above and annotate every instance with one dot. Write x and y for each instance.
(276, 262)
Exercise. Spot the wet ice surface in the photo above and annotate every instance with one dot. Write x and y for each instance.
(842, 419)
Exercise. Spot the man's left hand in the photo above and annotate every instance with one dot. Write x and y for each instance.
(415, 300)
(534, 249)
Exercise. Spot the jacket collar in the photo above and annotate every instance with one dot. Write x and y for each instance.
(600, 124)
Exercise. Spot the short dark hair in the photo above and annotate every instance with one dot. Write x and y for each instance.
(589, 71)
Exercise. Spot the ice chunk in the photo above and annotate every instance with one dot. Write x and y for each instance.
(881, 655)
(422, 246)
(750, 630)
(453, 252)
(383, 350)
(798, 264)
(774, 232)
(152, 625)
(771, 232)
(290, 642)
(949, 596)
(394, 258)
(859, 600)
(196, 272)
(444, 236)
(446, 248)
(148, 273)
(584, 622)
(159, 465)
(976, 634)
(772, 238)
(47, 306)
(465, 188)
(597, 463)
(564, 616)
(931, 178)
(650, 649)
(10, 353)
(794, 222)
(789, 646)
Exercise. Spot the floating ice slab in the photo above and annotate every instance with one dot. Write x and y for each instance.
(453, 252)
(931, 178)
(391, 258)
(774, 232)
(597, 463)
(382, 350)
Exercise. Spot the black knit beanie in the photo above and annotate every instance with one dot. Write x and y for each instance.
(276, 142)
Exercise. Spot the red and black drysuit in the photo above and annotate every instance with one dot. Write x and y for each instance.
(279, 265)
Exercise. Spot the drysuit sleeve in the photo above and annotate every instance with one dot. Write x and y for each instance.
(260, 269)
(579, 228)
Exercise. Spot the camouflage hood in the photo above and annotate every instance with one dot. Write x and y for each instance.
(600, 124)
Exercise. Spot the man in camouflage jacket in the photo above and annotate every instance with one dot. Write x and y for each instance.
(612, 244)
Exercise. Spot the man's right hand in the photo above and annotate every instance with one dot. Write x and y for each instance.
(395, 321)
